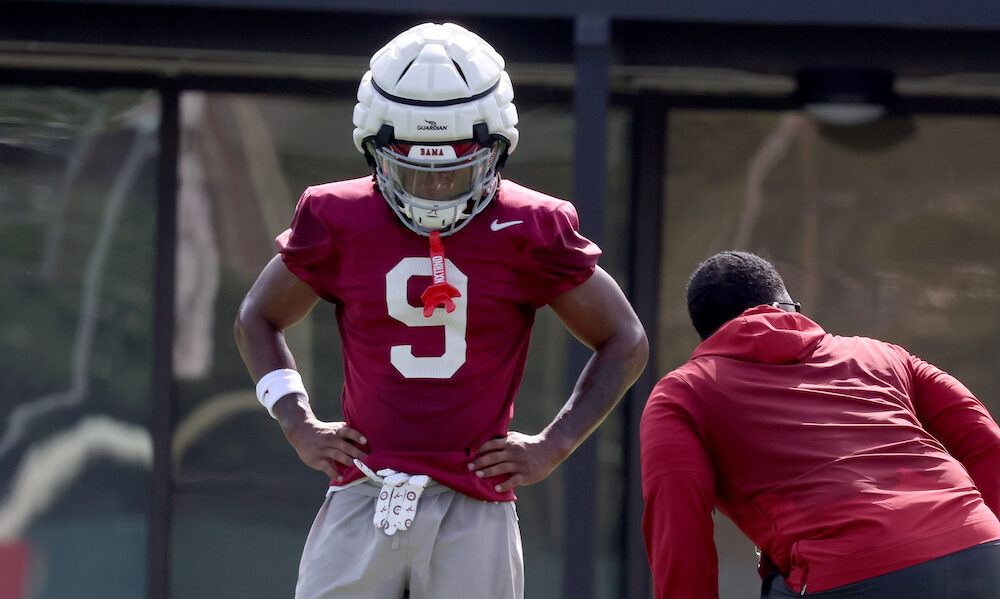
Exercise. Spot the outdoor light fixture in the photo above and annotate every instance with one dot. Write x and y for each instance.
(844, 97)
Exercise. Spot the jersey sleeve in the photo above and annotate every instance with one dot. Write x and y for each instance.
(956, 418)
(678, 482)
(557, 258)
(307, 248)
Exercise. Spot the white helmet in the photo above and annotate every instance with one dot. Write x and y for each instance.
(435, 118)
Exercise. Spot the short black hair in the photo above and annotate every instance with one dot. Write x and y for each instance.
(728, 283)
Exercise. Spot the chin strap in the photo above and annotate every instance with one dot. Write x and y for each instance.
(440, 292)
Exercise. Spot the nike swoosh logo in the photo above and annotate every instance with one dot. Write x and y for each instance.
(497, 225)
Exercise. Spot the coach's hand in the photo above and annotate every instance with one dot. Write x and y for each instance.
(524, 459)
(319, 444)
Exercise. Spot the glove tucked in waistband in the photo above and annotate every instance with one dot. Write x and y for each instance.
(397, 501)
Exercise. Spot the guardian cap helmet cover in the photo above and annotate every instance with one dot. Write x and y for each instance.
(435, 118)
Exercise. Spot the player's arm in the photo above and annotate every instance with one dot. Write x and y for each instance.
(600, 316)
(950, 412)
(678, 482)
(276, 301)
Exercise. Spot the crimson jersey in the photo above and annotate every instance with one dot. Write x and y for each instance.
(428, 391)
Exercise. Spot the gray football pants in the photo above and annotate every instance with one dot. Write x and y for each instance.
(456, 548)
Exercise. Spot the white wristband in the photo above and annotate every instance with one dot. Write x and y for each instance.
(276, 384)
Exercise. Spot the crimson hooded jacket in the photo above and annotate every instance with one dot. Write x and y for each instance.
(841, 458)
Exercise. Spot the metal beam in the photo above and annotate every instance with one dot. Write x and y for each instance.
(326, 40)
(590, 112)
(649, 135)
(897, 13)
(164, 395)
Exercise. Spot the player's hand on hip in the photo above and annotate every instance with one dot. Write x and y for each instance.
(321, 445)
(523, 459)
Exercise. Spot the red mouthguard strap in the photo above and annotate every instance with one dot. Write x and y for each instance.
(440, 292)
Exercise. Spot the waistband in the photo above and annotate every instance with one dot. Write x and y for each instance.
(371, 488)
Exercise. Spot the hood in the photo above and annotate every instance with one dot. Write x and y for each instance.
(764, 335)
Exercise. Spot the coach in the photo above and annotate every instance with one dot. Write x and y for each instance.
(857, 469)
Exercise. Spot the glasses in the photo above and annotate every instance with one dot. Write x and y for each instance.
(796, 306)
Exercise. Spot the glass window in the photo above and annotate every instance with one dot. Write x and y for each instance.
(77, 229)
(243, 500)
(885, 230)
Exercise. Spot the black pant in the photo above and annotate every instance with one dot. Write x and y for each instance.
(972, 573)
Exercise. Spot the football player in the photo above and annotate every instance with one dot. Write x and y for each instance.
(435, 267)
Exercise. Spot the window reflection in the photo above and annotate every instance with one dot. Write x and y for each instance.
(76, 259)
(244, 161)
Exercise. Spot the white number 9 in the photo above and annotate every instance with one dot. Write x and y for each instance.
(454, 323)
